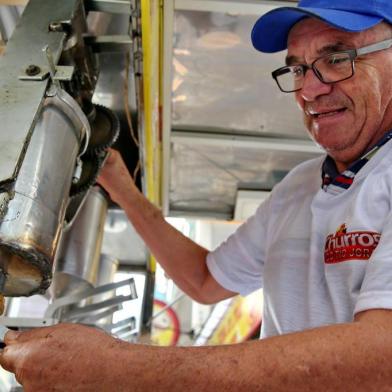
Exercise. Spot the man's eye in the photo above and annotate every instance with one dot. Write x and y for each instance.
(297, 72)
(332, 60)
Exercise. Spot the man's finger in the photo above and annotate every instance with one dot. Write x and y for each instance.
(9, 357)
(12, 337)
(111, 157)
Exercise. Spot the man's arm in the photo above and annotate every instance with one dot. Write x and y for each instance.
(182, 259)
(347, 357)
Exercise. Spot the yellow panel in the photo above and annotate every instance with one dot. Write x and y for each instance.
(151, 92)
(240, 321)
(151, 45)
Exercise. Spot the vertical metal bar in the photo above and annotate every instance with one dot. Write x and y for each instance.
(52, 68)
(168, 29)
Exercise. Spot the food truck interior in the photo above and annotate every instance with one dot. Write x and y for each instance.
(177, 88)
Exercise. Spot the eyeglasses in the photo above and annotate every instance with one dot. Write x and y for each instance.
(331, 68)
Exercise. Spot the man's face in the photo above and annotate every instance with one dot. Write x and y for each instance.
(347, 117)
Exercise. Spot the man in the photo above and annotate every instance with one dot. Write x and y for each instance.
(320, 245)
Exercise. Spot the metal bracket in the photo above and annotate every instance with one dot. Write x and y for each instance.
(27, 322)
(64, 73)
(74, 299)
(88, 315)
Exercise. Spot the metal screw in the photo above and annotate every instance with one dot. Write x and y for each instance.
(32, 70)
(62, 26)
(56, 27)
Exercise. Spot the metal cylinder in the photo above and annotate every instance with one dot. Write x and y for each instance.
(107, 269)
(32, 211)
(77, 260)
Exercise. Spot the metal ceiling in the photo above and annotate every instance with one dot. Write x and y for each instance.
(226, 124)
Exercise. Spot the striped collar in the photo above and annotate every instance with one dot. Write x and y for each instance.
(335, 182)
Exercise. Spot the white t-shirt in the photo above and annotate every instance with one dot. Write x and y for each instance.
(321, 257)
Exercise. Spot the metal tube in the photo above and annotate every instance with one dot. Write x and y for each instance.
(32, 210)
(77, 260)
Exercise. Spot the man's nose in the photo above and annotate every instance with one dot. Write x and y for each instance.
(313, 87)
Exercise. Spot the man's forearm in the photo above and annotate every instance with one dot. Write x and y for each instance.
(182, 259)
(346, 357)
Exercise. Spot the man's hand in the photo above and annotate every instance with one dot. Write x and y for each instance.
(183, 260)
(66, 357)
(115, 178)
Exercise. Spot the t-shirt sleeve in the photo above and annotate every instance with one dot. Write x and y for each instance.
(237, 264)
(376, 289)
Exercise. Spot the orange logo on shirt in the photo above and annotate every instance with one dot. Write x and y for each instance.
(342, 229)
(344, 246)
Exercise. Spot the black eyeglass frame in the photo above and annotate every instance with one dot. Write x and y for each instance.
(352, 53)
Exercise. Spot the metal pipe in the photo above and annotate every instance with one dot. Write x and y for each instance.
(78, 257)
(32, 209)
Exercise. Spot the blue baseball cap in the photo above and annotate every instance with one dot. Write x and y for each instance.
(270, 32)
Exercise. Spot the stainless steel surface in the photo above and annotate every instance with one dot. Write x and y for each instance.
(122, 242)
(63, 73)
(3, 331)
(20, 101)
(74, 299)
(72, 110)
(75, 71)
(87, 310)
(220, 81)
(78, 258)
(109, 90)
(31, 219)
(27, 322)
(222, 112)
(258, 142)
(69, 309)
(108, 267)
(109, 43)
(9, 16)
(120, 239)
(205, 177)
(230, 6)
(113, 6)
(52, 67)
(28, 307)
(168, 31)
(123, 328)
(78, 54)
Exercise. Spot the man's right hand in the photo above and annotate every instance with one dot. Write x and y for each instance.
(116, 179)
(182, 259)
(65, 357)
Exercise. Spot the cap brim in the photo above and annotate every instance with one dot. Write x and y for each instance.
(270, 32)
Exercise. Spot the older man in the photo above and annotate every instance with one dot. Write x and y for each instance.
(320, 245)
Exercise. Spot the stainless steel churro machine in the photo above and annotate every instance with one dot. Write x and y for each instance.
(53, 141)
